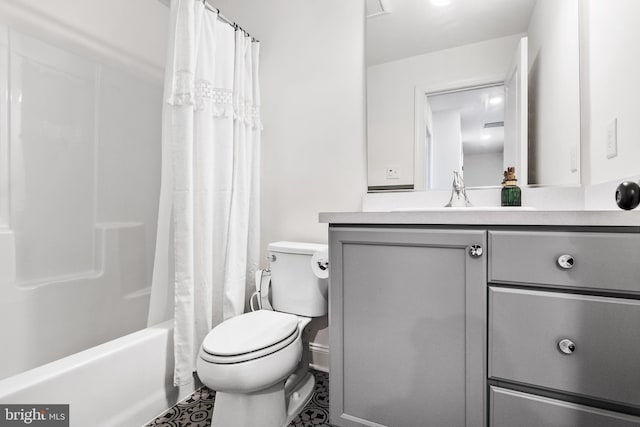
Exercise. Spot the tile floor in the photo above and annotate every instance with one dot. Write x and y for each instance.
(196, 410)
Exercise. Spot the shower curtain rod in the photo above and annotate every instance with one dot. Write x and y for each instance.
(227, 21)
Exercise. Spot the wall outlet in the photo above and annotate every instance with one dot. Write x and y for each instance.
(612, 139)
(393, 172)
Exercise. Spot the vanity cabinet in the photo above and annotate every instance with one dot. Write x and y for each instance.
(408, 327)
(496, 326)
(564, 328)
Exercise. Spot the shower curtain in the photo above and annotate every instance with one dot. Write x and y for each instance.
(208, 224)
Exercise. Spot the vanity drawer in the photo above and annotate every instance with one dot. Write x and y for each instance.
(526, 327)
(512, 408)
(600, 260)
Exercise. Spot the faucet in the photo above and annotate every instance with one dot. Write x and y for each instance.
(458, 193)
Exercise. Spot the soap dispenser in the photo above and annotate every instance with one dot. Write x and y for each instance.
(511, 193)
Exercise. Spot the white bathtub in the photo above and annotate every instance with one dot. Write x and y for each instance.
(125, 382)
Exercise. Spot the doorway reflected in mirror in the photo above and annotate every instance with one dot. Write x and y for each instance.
(465, 131)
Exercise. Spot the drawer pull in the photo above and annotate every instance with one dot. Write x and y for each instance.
(475, 251)
(566, 346)
(566, 261)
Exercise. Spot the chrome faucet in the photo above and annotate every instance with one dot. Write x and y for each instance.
(458, 193)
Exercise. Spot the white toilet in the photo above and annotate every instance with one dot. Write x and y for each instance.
(258, 362)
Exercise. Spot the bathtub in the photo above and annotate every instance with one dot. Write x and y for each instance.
(124, 382)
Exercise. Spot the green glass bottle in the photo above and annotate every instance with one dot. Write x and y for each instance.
(511, 193)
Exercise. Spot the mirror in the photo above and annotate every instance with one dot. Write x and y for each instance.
(431, 62)
(464, 131)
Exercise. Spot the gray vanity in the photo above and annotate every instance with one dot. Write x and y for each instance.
(500, 319)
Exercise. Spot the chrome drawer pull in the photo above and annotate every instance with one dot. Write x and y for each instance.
(475, 251)
(566, 346)
(566, 261)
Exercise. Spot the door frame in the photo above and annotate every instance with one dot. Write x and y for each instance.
(420, 154)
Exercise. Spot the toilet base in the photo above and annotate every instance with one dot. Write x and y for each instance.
(265, 408)
(262, 408)
(300, 396)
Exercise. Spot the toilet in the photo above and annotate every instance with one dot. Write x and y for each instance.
(258, 362)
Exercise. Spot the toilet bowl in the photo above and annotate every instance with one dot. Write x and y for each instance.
(258, 362)
(250, 352)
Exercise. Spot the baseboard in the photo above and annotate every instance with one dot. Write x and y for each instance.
(319, 357)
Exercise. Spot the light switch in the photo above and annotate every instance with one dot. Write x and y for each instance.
(612, 139)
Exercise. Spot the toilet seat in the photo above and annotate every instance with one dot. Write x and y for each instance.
(249, 336)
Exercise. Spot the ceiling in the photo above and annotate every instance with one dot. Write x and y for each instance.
(475, 110)
(414, 27)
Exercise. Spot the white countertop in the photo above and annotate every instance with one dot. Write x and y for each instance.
(496, 216)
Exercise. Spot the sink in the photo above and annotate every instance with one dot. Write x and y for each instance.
(468, 209)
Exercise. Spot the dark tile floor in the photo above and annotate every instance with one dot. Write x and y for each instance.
(196, 410)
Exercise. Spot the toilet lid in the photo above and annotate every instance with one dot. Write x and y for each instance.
(249, 333)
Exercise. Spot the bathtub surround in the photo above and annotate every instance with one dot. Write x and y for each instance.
(79, 168)
(110, 31)
(209, 207)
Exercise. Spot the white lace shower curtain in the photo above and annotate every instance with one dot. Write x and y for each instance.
(208, 225)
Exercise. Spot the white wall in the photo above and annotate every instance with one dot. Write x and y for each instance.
(447, 148)
(390, 97)
(312, 79)
(611, 71)
(313, 144)
(483, 169)
(554, 92)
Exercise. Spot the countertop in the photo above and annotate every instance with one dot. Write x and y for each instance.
(470, 216)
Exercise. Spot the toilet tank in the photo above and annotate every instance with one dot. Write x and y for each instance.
(294, 287)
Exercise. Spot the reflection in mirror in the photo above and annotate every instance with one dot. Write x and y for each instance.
(610, 66)
(417, 48)
(465, 131)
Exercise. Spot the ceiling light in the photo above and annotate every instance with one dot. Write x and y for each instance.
(441, 3)
(486, 136)
(495, 100)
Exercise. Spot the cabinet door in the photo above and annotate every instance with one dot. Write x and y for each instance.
(408, 326)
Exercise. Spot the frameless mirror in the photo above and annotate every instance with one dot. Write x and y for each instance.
(435, 72)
